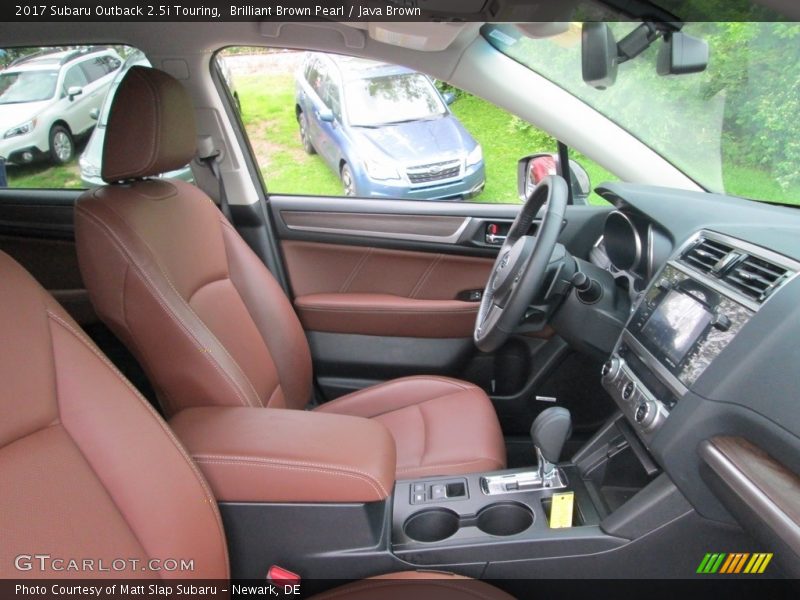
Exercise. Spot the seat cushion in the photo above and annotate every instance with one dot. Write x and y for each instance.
(441, 426)
(421, 585)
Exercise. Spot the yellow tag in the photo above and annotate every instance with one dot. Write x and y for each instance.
(561, 510)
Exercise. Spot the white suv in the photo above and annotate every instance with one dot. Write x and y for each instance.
(49, 99)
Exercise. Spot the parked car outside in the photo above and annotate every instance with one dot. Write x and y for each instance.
(385, 130)
(47, 100)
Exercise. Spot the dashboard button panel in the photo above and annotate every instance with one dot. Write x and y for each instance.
(640, 405)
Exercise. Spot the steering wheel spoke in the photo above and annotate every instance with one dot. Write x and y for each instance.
(521, 265)
(492, 316)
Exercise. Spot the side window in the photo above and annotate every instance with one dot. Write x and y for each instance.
(310, 72)
(401, 135)
(62, 147)
(333, 99)
(95, 68)
(320, 82)
(75, 76)
(112, 63)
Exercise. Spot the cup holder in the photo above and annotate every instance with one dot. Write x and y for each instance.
(504, 518)
(431, 525)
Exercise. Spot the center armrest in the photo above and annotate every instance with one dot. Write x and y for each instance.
(279, 455)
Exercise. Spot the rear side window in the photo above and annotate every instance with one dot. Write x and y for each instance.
(320, 82)
(75, 77)
(333, 99)
(95, 68)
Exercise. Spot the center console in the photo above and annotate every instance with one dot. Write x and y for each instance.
(685, 318)
(451, 520)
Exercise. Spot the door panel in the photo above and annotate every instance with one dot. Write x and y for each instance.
(418, 225)
(381, 288)
(374, 291)
(386, 315)
(429, 228)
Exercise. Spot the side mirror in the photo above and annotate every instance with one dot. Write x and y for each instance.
(449, 98)
(74, 90)
(681, 54)
(532, 169)
(598, 55)
(325, 114)
(94, 114)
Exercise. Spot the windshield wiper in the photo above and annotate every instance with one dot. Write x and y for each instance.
(413, 120)
(400, 122)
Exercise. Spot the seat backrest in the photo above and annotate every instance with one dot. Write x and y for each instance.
(89, 471)
(171, 277)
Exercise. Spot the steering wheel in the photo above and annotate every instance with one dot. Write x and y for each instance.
(519, 271)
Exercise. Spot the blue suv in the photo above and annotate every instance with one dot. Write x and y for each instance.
(385, 130)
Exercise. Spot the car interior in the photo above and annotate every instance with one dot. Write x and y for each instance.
(403, 392)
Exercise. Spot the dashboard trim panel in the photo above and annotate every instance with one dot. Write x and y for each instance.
(768, 488)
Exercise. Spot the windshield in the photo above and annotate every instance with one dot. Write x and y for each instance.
(734, 128)
(392, 99)
(27, 86)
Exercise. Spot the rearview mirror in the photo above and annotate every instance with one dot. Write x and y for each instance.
(681, 54)
(325, 114)
(532, 169)
(449, 98)
(598, 55)
(94, 114)
(74, 90)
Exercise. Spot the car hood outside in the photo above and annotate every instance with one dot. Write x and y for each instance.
(415, 142)
(12, 115)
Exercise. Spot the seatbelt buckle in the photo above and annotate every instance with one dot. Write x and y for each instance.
(283, 577)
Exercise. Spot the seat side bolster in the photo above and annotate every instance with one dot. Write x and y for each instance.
(137, 300)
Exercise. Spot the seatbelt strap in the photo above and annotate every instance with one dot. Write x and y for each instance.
(208, 154)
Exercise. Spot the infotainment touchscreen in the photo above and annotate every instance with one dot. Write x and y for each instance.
(676, 324)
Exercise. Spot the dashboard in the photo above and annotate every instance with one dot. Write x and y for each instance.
(711, 347)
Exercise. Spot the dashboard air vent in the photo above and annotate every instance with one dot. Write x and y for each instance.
(707, 255)
(754, 277)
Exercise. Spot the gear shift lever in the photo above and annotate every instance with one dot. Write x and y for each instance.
(549, 432)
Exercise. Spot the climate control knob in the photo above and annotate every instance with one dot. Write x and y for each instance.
(610, 368)
(645, 413)
(628, 390)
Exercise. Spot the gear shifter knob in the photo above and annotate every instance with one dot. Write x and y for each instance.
(550, 430)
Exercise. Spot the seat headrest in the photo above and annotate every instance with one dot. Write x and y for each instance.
(150, 128)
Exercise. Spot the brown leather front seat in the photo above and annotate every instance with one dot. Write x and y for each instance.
(205, 318)
(91, 474)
